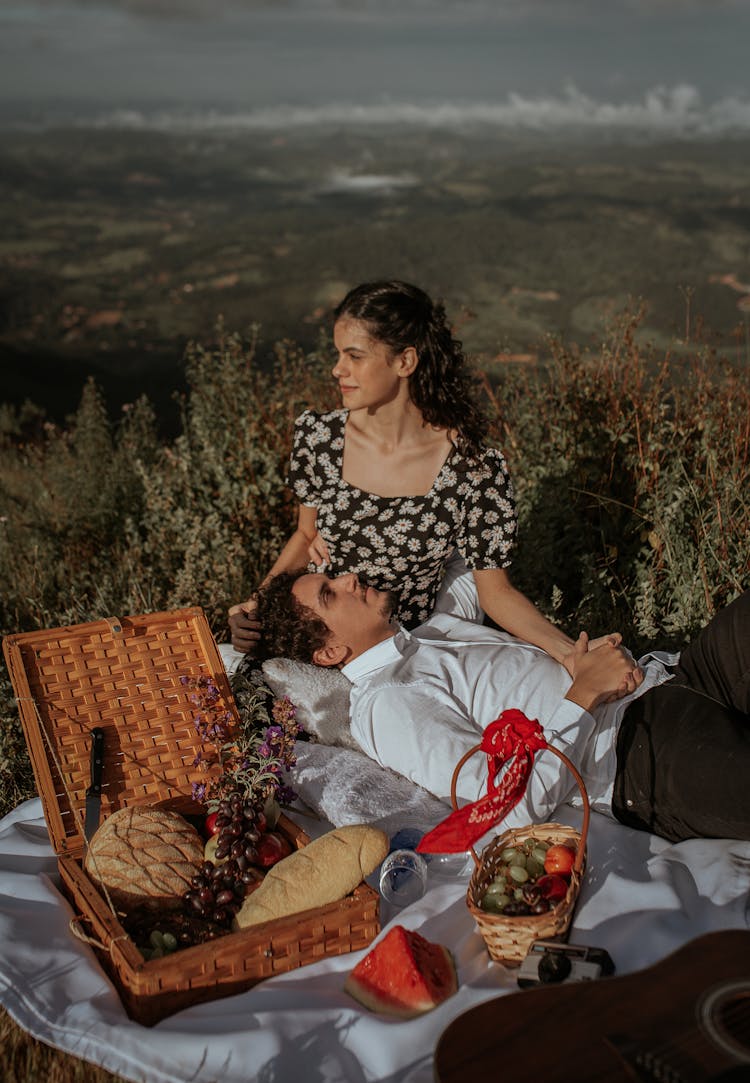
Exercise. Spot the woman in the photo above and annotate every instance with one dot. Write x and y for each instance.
(400, 478)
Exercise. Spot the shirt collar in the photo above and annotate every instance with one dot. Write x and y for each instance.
(377, 657)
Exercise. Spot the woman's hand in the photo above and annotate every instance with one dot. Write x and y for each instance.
(614, 638)
(244, 626)
(604, 666)
(318, 550)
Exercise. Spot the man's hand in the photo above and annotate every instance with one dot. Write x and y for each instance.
(600, 674)
(244, 626)
(614, 639)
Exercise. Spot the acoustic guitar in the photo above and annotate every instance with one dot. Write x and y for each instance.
(684, 1020)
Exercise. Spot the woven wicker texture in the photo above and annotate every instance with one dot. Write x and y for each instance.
(123, 676)
(152, 990)
(508, 939)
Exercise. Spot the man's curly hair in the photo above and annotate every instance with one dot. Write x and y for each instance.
(289, 629)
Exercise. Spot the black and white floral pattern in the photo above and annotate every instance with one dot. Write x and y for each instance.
(401, 543)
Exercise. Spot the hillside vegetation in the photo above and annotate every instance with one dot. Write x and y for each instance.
(631, 468)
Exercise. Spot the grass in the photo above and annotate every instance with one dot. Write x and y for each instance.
(25, 1060)
(631, 465)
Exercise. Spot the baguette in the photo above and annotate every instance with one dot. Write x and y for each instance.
(323, 872)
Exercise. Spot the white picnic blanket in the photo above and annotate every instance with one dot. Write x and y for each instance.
(642, 898)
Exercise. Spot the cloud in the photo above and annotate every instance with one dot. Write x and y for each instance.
(677, 112)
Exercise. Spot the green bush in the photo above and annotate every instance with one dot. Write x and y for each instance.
(631, 472)
(633, 483)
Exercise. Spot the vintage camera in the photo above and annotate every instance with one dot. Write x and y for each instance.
(549, 962)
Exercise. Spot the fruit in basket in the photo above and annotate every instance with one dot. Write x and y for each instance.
(150, 932)
(559, 859)
(521, 886)
(271, 848)
(403, 975)
(552, 886)
(234, 854)
(144, 855)
(216, 891)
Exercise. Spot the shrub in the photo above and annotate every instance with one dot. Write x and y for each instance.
(631, 472)
(633, 483)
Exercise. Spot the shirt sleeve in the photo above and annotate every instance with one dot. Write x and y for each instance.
(569, 729)
(458, 595)
(303, 478)
(488, 528)
(423, 736)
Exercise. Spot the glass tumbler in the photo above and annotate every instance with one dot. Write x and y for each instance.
(403, 877)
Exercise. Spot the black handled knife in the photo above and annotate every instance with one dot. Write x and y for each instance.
(94, 792)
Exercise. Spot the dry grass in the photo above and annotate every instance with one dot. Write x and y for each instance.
(25, 1060)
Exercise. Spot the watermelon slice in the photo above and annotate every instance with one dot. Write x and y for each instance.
(403, 975)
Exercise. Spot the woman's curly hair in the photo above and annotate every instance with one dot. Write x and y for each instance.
(289, 629)
(441, 386)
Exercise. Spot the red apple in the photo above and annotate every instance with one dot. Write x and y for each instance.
(210, 827)
(559, 860)
(271, 848)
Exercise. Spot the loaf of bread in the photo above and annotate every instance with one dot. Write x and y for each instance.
(323, 872)
(144, 855)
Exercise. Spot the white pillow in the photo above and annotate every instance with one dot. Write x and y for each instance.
(321, 697)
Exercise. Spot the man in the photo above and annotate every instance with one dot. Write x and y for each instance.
(671, 756)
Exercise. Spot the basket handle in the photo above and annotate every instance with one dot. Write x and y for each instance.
(580, 851)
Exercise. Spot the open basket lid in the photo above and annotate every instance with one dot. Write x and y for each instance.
(123, 676)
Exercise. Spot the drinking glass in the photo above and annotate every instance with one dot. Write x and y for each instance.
(403, 877)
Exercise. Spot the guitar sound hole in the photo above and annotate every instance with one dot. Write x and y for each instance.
(725, 1015)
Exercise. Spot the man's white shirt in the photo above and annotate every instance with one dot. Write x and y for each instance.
(421, 699)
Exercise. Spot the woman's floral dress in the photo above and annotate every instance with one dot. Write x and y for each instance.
(401, 543)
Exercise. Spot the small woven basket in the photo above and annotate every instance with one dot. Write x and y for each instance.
(508, 939)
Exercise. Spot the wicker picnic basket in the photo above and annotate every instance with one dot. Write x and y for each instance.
(508, 939)
(124, 676)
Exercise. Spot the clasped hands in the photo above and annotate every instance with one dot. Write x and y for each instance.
(602, 671)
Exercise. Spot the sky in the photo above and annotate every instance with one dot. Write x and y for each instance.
(678, 63)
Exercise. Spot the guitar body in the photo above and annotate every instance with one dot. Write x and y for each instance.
(686, 1019)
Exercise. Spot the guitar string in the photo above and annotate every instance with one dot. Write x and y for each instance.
(691, 1041)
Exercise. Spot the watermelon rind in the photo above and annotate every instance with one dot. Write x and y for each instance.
(403, 976)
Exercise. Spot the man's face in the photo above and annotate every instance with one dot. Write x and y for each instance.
(356, 615)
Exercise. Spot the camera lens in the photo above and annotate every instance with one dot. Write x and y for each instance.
(554, 967)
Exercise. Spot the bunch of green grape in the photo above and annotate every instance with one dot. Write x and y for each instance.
(520, 887)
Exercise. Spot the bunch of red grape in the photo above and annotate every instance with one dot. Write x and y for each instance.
(218, 889)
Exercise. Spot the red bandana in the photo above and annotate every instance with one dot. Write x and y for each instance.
(511, 736)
